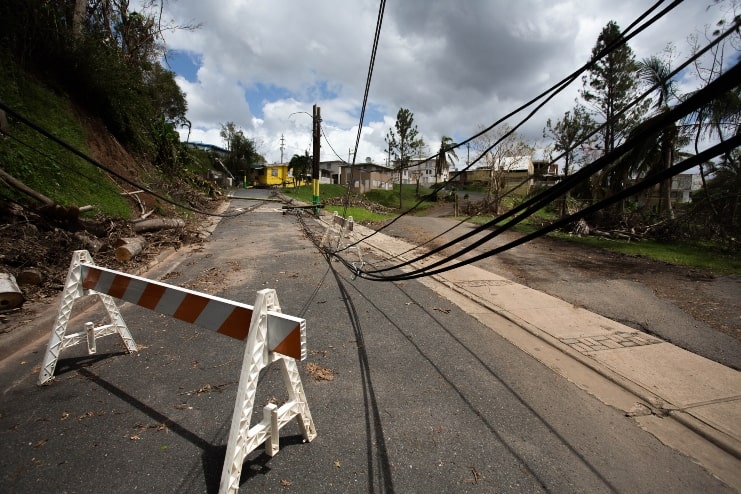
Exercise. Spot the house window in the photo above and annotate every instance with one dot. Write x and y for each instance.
(274, 172)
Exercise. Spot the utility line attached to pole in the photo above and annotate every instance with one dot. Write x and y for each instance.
(316, 136)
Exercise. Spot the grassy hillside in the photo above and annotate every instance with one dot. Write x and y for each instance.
(44, 165)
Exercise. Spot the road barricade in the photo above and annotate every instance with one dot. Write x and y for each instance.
(338, 236)
(270, 336)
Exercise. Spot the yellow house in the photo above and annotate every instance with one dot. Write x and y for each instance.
(273, 175)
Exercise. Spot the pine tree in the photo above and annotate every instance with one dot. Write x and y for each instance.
(403, 142)
(611, 84)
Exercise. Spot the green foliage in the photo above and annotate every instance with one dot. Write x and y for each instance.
(243, 153)
(445, 156)
(715, 210)
(404, 143)
(611, 84)
(42, 164)
(105, 61)
(569, 135)
(301, 167)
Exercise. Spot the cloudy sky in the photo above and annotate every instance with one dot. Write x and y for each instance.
(456, 65)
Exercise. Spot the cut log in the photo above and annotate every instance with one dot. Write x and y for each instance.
(30, 276)
(10, 294)
(155, 224)
(128, 248)
(90, 243)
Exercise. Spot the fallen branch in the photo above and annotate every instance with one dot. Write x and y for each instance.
(20, 186)
(157, 224)
(135, 195)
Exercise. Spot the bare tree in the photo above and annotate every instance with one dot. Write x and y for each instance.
(502, 151)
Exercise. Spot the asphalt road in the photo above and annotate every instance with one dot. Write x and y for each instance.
(423, 397)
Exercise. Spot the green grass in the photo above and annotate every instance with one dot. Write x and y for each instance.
(360, 215)
(705, 257)
(44, 165)
(390, 198)
(331, 191)
(304, 192)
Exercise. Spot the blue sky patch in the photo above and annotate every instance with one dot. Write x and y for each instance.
(184, 64)
(258, 94)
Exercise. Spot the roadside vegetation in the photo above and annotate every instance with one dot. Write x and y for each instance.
(93, 77)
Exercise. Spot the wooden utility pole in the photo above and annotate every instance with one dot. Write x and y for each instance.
(316, 134)
(282, 146)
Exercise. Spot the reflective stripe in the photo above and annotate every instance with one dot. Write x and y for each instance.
(285, 333)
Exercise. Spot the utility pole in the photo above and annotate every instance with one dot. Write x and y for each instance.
(316, 135)
(282, 146)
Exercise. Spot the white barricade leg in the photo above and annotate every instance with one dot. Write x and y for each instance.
(59, 340)
(330, 227)
(244, 439)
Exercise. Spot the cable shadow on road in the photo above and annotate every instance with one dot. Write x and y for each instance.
(473, 407)
(373, 422)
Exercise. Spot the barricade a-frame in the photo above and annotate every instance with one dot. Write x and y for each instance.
(270, 335)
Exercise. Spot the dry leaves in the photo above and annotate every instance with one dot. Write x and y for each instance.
(319, 373)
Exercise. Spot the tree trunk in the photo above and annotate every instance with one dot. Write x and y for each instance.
(128, 248)
(158, 224)
(401, 201)
(665, 188)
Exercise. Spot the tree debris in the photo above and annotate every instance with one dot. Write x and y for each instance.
(10, 294)
(128, 248)
(154, 224)
(319, 373)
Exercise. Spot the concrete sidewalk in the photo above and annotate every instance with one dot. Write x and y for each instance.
(655, 380)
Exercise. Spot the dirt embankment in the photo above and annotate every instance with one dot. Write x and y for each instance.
(29, 238)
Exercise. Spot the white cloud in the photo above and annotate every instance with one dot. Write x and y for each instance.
(455, 65)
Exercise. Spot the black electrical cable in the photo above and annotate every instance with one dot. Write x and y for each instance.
(684, 165)
(724, 83)
(559, 189)
(371, 64)
(97, 164)
(326, 139)
(556, 88)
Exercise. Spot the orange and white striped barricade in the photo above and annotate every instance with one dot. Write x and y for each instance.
(244, 439)
(271, 336)
(59, 340)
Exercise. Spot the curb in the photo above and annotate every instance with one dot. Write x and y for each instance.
(657, 405)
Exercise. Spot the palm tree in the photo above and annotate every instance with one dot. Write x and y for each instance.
(445, 156)
(300, 166)
(654, 72)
